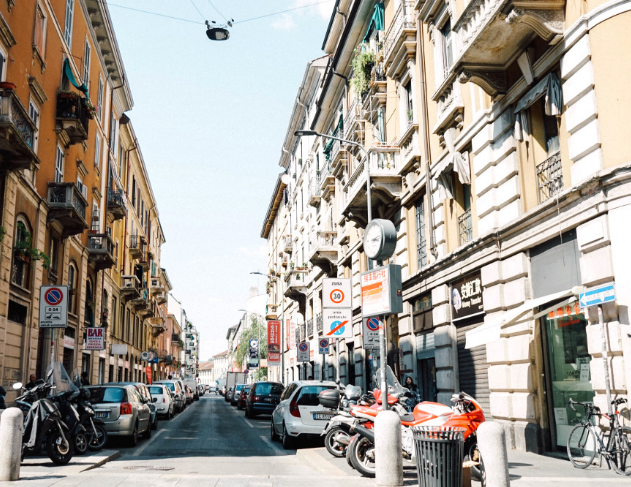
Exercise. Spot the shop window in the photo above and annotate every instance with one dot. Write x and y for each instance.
(422, 309)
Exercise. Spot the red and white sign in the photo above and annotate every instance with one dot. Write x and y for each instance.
(336, 293)
(303, 352)
(273, 343)
(95, 338)
(337, 323)
(53, 310)
(375, 292)
(149, 375)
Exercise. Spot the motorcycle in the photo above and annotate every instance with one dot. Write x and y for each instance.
(43, 424)
(95, 428)
(465, 413)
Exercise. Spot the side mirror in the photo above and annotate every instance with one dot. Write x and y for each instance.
(17, 386)
(155, 399)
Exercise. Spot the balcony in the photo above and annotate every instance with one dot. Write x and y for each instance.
(400, 40)
(309, 325)
(130, 288)
(385, 184)
(161, 297)
(354, 122)
(67, 207)
(141, 301)
(315, 194)
(116, 204)
(157, 325)
(318, 320)
(324, 250)
(175, 337)
(72, 117)
(287, 244)
(550, 177)
(155, 285)
(492, 33)
(410, 147)
(295, 284)
(272, 311)
(101, 251)
(137, 246)
(17, 134)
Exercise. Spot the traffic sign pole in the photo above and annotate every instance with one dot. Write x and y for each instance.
(382, 352)
(601, 321)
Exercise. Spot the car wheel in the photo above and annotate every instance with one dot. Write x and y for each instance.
(273, 434)
(288, 441)
(133, 439)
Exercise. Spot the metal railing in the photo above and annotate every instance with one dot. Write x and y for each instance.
(101, 242)
(12, 111)
(549, 177)
(310, 327)
(66, 195)
(116, 198)
(318, 319)
(72, 106)
(403, 19)
(465, 227)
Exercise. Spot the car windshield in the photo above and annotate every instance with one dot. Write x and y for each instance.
(245, 390)
(156, 390)
(107, 395)
(308, 395)
(171, 386)
(239, 387)
(267, 388)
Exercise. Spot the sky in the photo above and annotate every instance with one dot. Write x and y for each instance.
(211, 118)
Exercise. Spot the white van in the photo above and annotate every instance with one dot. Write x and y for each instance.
(191, 382)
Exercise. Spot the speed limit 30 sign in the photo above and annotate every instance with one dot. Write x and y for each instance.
(336, 293)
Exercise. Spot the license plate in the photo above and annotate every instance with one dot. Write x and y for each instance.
(102, 414)
(322, 416)
(268, 399)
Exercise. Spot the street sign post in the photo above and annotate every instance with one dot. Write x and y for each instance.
(337, 323)
(370, 332)
(303, 352)
(324, 345)
(336, 293)
(53, 308)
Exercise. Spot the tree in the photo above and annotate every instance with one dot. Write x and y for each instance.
(256, 330)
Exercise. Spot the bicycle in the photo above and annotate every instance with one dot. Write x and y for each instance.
(585, 440)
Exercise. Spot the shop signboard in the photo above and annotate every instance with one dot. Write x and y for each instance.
(466, 297)
(253, 356)
(273, 343)
(381, 291)
(95, 338)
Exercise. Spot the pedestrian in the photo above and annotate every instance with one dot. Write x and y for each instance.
(84, 379)
(3, 392)
(32, 378)
(410, 385)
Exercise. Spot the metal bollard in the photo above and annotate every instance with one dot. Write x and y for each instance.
(492, 446)
(388, 456)
(11, 444)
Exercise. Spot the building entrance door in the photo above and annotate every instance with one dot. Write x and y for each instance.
(427, 379)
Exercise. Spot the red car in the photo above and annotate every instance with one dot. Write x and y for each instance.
(243, 397)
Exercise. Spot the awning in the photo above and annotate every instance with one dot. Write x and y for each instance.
(491, 331)
(548, 86)
(377, 21)
(455, 161)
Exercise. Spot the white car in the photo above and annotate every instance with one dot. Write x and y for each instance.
(162, 399)
(299, 413)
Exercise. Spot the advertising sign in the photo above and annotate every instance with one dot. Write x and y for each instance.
(149, 374)
(253, 356)
(303, 352)
(337, 323)
(370, 331)
(95, 338)
(324, 345)
(336, 293)
(273, 343)
(291, 343)
(118, 349)
(381, 291)
(53, 309)
(466, 297)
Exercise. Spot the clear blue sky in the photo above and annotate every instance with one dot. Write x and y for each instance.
(210, 119)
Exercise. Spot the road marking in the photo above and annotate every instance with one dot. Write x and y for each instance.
(147, 443)
(274, 447)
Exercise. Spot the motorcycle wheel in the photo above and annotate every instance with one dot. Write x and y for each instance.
(348, 450)
(363, 457)
(332, 446)
(98, 441)
(80, 444)
(59, 450)
(472, 454)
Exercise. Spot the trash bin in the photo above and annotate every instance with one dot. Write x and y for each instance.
(439, 452)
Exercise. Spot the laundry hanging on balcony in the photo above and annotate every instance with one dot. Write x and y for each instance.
(550, 87)
(377, 21)
(70, 75)
(454, 161)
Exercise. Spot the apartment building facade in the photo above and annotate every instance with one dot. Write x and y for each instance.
(492, 137)
(64, 199)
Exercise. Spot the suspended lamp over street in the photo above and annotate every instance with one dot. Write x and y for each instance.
(218, 32)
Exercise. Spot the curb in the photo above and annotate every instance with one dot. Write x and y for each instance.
(103, 459)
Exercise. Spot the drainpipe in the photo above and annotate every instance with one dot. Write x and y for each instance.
(426, 147)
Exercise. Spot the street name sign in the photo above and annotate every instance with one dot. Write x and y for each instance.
(597, 296)
(370, 331)
(95, 338)
(336, 293)
(324, 345)
(303, 352)
(337, 323)
(53, 306)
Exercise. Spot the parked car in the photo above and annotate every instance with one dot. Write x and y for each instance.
(123, 411)
(299, 413)
(179, 397)
(163, 400)
(190, 397)
(263, 398)
(242, 397)
(228, 395)
(191, 382)
(202, 389)
(235, 396)
(146, 396)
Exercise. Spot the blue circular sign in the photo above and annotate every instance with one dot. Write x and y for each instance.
(373, 324)
(324, 343)
(303, 347)
(338, 329)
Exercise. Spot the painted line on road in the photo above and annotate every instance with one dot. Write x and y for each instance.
(277, 450)
(147, 443)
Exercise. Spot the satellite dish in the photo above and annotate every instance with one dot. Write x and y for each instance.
(144, 356)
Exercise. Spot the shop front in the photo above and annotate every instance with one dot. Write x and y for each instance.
(424, 346)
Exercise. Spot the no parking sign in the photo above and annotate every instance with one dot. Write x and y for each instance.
(303, 352)
(371, 327)
(53, 307)
(324, 345)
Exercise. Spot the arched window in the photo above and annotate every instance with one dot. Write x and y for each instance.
(72, 288)
(21, 256)
(89, 304)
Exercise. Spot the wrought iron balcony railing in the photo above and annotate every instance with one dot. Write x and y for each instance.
(318, 319)
(550, 177)
(465, 227)
(17, 133)
(67, 205)
(73, 116)
(310, 327)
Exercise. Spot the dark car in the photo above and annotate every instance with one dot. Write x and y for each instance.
(228, 395)
(263, 398)
(235, 395)
(242, 397)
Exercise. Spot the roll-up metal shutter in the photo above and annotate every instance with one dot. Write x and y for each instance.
(473, 370)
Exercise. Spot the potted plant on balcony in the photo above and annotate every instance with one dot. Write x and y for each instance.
(291, 266)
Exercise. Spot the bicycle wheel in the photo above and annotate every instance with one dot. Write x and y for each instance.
(621, 454)
(581, 446)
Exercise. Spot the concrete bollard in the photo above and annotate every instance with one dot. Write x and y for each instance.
(492, 446)
(11, 444)
(388, 456)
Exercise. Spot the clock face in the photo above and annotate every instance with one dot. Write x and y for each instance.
(372, 241)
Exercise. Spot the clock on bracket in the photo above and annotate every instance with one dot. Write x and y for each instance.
(380, 239)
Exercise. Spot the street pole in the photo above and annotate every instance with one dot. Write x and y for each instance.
(382, 353)
(603, 337)
(337, 359)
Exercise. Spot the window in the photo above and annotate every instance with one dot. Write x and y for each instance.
(39, 34)
(421, 241)
(113, 123)
(99, 100)
(114, 311)
(3, 58)
(410, 101)
(53, 252)
(121, 153)
(133, 191)
(72, 288)
(59, 165)
(446, 47)
(97, 152)
(465, 223)
(89, 304)
(96, 224)
(33, 112)
(68, 22)
(86, 63)
(422, 309)
(82, 187)
(21, 257)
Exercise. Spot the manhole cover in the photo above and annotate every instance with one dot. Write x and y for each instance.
(144, 467)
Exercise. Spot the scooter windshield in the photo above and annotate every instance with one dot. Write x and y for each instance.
(59, 378)
(394, 386)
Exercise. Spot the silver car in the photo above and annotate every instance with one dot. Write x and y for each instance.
(123, 410)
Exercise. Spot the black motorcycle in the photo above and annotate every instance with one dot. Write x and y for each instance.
(95, 431)
(43, 424)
